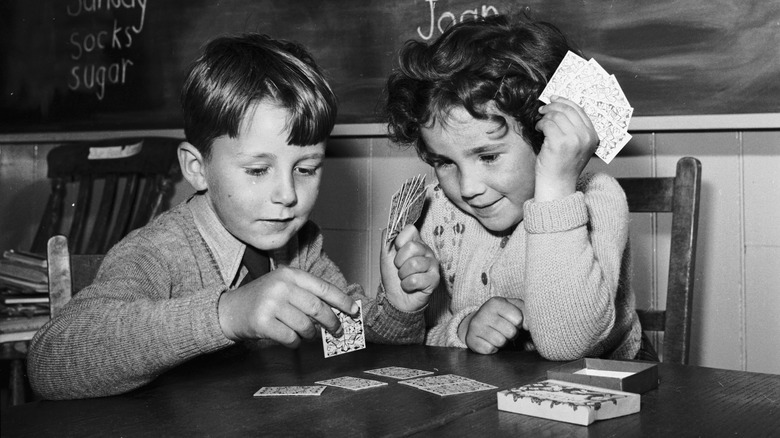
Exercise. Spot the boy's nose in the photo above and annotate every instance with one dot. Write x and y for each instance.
(284, 192)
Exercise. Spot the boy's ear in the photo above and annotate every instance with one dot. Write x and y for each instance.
(193, 166)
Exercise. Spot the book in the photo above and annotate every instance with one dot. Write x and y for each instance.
(569, 402)
(17, 336)
(26, 272)
(14, 324)
(25, 258)
(24, 299)
(22, 284)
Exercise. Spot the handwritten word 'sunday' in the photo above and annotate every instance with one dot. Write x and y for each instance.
(93, 73)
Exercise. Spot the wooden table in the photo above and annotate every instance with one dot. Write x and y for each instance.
(212, 396)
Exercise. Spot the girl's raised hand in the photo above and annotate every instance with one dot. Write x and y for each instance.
(569, 142)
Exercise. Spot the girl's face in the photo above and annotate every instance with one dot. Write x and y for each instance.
(488, 171)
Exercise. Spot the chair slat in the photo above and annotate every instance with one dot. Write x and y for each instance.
(99, 233)
(678, 195)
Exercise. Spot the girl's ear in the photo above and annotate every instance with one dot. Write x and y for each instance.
(193, 166)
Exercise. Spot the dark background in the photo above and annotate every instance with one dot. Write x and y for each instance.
(687, 57)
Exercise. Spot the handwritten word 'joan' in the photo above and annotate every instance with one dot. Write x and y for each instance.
(447, 18)
(81, 7)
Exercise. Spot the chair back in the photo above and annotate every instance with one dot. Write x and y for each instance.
(116, 186)
(68, 273)
(678, 195)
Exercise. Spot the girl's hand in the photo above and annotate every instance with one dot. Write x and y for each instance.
(497, 322)
(569, 142)
(409, 269)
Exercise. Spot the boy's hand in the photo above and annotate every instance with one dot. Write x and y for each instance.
(569, 142)
(410, 271)
(283, 305)
(498, 321)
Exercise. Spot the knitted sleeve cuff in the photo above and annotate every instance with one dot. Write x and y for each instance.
(387, 324)
(555, 216)
(196, 328)
(452, 329)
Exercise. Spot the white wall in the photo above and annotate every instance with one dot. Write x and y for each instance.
(737, 294)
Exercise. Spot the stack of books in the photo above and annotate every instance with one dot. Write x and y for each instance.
(24, 295)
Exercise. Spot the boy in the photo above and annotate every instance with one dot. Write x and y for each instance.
(533, 252)
(257, 113)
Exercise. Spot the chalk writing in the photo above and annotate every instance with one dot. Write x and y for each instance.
(94, 73)
(448, 18)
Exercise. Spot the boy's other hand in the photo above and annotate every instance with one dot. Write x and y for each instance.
(410, 270)
(283, 305)
(569, 142)
(497, 321)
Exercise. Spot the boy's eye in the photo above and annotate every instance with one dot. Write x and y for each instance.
(256, 171)
(308, 170)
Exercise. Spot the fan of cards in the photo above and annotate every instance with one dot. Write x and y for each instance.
(588, 85)
(406, 206)
(442, 385)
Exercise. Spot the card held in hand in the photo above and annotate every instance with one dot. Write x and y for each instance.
(354, 337)
(406, 206)
(588, 85)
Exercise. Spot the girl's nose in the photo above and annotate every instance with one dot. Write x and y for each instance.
(471, 184)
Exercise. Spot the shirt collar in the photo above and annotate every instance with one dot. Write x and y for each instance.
(227, 250)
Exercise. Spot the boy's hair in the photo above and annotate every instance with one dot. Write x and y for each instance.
(234, 73)
(471, 64)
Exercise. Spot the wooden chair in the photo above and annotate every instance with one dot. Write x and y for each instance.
(678, 195)
(132, 178)
(68, 274)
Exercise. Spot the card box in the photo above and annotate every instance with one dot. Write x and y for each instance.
(636, 377)
(568, 402)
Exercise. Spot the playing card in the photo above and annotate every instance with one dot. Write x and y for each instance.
(424, 382)
(276, 391)
(447, 384)
(406, 206)
(354, 337)
(399, 373)
(563, 74)
(587, 84)
(458, 388)
(352, 383)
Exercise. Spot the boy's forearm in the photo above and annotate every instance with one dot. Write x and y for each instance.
(85, 353)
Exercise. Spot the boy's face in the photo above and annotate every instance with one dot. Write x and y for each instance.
(261, 188)
(486, 170)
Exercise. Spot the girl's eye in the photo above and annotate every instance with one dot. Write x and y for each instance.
(489, 158)
(440, 164)
(256, 171)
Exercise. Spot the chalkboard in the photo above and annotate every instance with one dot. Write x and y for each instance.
(81, 65)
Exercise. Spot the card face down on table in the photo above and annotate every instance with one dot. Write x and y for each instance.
(568, 402)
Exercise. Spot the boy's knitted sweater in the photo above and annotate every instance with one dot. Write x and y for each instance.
(153, 305)
(568, 261)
